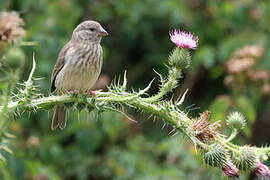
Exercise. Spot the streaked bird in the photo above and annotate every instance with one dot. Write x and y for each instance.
(78, 66)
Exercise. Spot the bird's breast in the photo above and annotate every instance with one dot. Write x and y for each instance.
(81, 69)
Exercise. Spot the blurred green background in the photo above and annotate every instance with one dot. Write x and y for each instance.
(109, 146)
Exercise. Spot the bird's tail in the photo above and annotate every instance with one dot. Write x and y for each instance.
(59, 117)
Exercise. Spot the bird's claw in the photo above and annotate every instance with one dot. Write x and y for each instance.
(90, 92)
(74, 91)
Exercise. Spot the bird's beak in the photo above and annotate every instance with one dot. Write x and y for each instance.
(102, 32)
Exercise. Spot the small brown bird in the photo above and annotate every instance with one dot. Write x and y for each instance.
(78, 65)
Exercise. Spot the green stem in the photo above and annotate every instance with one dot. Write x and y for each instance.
(232, 136)
(4, 109)
(231, 147)
(177, 119)
(169, 85)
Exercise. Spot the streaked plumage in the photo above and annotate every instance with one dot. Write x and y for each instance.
(78, 65)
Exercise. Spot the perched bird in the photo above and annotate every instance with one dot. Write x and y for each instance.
(78, 65)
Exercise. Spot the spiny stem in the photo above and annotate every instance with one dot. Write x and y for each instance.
(232, 136)
(169, 85)
(231, 147)
(178, 120)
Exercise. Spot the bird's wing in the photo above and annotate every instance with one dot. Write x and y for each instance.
(59, 64)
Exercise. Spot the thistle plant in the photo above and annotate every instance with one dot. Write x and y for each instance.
(217, 149)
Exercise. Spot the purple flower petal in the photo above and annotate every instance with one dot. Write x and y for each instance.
(184, 39)
(262, 171)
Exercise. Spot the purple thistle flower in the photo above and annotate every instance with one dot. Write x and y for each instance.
(184, 39)
(230, 170)
(262, 171)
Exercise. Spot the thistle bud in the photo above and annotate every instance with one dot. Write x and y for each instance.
(246, 160)
(236, 121)
(216, 157)
(180, 58)
(15, 58)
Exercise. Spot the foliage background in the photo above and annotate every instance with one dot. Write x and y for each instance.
(109, 146)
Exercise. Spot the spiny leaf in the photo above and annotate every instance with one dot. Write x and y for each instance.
(160, 76)
(143, 91)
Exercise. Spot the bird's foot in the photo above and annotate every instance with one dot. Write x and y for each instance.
(74, 91)
(90, 92)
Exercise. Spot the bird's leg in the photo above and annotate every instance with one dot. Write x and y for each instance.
(90, 92)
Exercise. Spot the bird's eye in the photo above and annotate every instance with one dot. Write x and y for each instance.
(92, 29)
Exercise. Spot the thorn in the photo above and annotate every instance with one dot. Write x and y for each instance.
(195, 108)
(143, 91)
(28, 83)
(172, 131)
(150, 116)
(9, 135)
(160, 76)
(195, 144)
(178, 123)
(164, 125)
(182, 98)
(124, 85)
(118, 81)
(190, 106)
(175, 134)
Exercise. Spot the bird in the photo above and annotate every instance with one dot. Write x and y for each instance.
(78, 66)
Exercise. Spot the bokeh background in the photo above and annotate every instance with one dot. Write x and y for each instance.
(229, 72)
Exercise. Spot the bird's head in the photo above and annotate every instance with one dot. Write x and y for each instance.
(89, 32)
